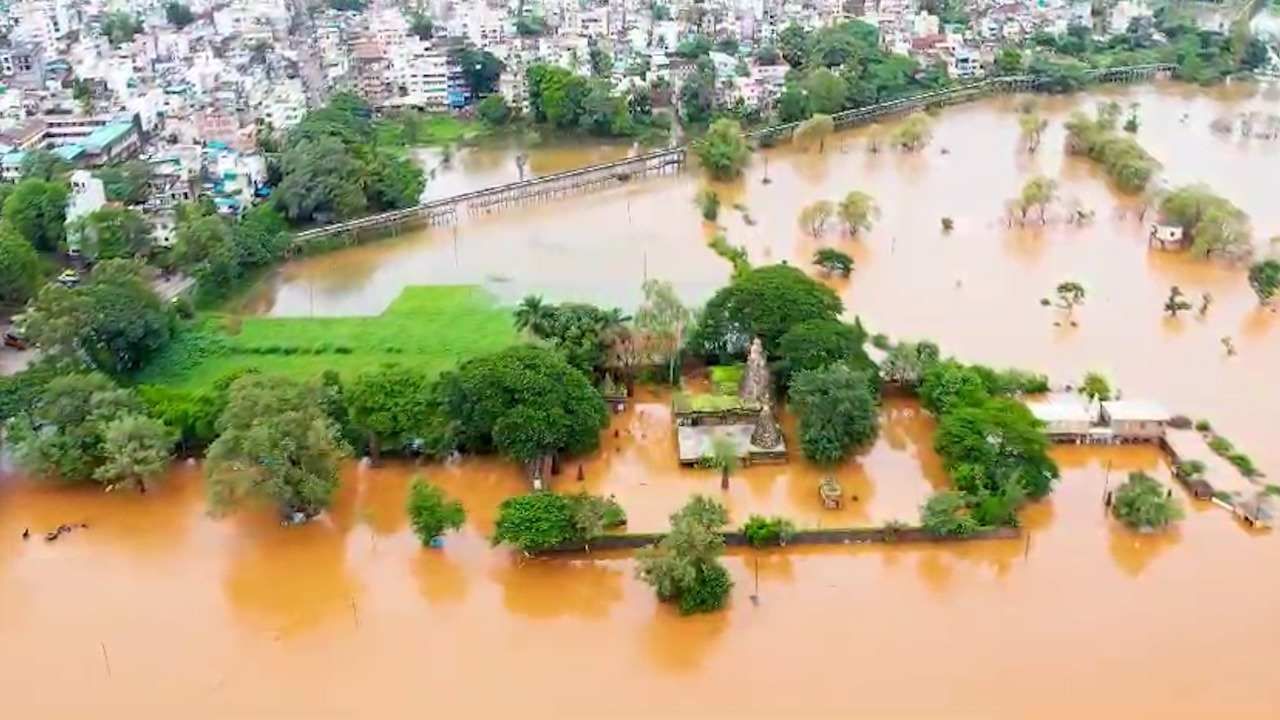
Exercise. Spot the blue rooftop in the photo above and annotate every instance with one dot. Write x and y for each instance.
(106, 135)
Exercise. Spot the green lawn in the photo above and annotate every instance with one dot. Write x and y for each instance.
(428, 327)
(415, 129)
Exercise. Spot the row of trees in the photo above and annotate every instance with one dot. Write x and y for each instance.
(842, 67)
(857, 211)
(1126, 162)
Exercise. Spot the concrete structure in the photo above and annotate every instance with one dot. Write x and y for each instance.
(1065, 416)
(87, 196)
(1134, 420)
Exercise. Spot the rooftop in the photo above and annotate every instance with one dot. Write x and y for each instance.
(1060, 407)
(1135, 410)
(107, 134)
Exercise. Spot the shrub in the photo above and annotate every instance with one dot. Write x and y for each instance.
(1142, 504)
(708, 590)
(761, 531)
(708, 202)
(431, 513)
(1203, 426)
(946, 514)
(534, 522)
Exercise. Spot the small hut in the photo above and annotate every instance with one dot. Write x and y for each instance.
(1166, 237)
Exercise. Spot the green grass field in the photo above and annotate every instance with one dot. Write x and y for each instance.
(433, 328)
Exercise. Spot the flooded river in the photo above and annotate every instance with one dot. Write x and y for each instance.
(158, 610)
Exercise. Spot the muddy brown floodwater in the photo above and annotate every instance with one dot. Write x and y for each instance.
(158, 610)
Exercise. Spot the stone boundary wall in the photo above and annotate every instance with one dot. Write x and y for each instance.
(824, 536)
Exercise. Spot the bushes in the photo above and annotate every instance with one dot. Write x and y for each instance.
(543, 520)
(1125, 161)
(1142, 504)
(837, 410)
(946, 514)
(761, 531)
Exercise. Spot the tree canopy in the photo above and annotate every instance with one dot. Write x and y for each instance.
(114, 321)
(723, 151)
(82, 427)
(1141, 503)
(1264, 278)
(1214, 224)
(277, 445)
(837, 409)
(333, 168)
(684, 566)
(815, 344)
(391, 404)
(431, 512)
(19, 268)
(762, 302)
(526, 402)
(36, 210)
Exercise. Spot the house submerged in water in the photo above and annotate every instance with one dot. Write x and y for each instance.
(1071, 418)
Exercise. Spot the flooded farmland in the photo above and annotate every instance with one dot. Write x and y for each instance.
(158, 609)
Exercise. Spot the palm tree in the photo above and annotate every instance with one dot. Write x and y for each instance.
(723, 457)
(531, 313)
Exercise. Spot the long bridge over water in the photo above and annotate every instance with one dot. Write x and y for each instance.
(673, 160)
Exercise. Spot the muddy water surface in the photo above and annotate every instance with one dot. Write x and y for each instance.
(157, 610)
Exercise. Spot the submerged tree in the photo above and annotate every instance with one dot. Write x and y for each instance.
(431, 512)
(277, 445)
(723, 151)
(858, 211)
(814, 131)
(1033, 127)
(913, 133)
(708, 202)
(833, 261)
(1214, 224)
(837, 411)
(814, 218)
(1143, 504)
(136, 449)
(1264, 278)
(684, 567)
(1038, 192)
(1176, 302)
(1070, 294)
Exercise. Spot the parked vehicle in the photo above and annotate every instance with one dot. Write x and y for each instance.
(15, 339)
(69, 278)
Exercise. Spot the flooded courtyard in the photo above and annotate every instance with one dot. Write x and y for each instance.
(158, 609)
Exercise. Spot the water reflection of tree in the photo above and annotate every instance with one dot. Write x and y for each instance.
(290, 579)
(440, 579)
(554, 587)
(679, 644)
(1132, 551)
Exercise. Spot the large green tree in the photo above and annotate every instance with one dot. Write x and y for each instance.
(1264, 278)
(276, 445)
(136, 448)
(723, 151)
(391, 404)
(431, 512)
(37, 209)
(815, 344)
(526, 402)
(837, 410)
(64, 434)
(19, 268)
(1215, 225)
(114, 321)
(993, 442)
(763, 302)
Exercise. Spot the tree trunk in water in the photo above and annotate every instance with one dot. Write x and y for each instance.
(375, 450)
(724, 479)
(555, 463)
